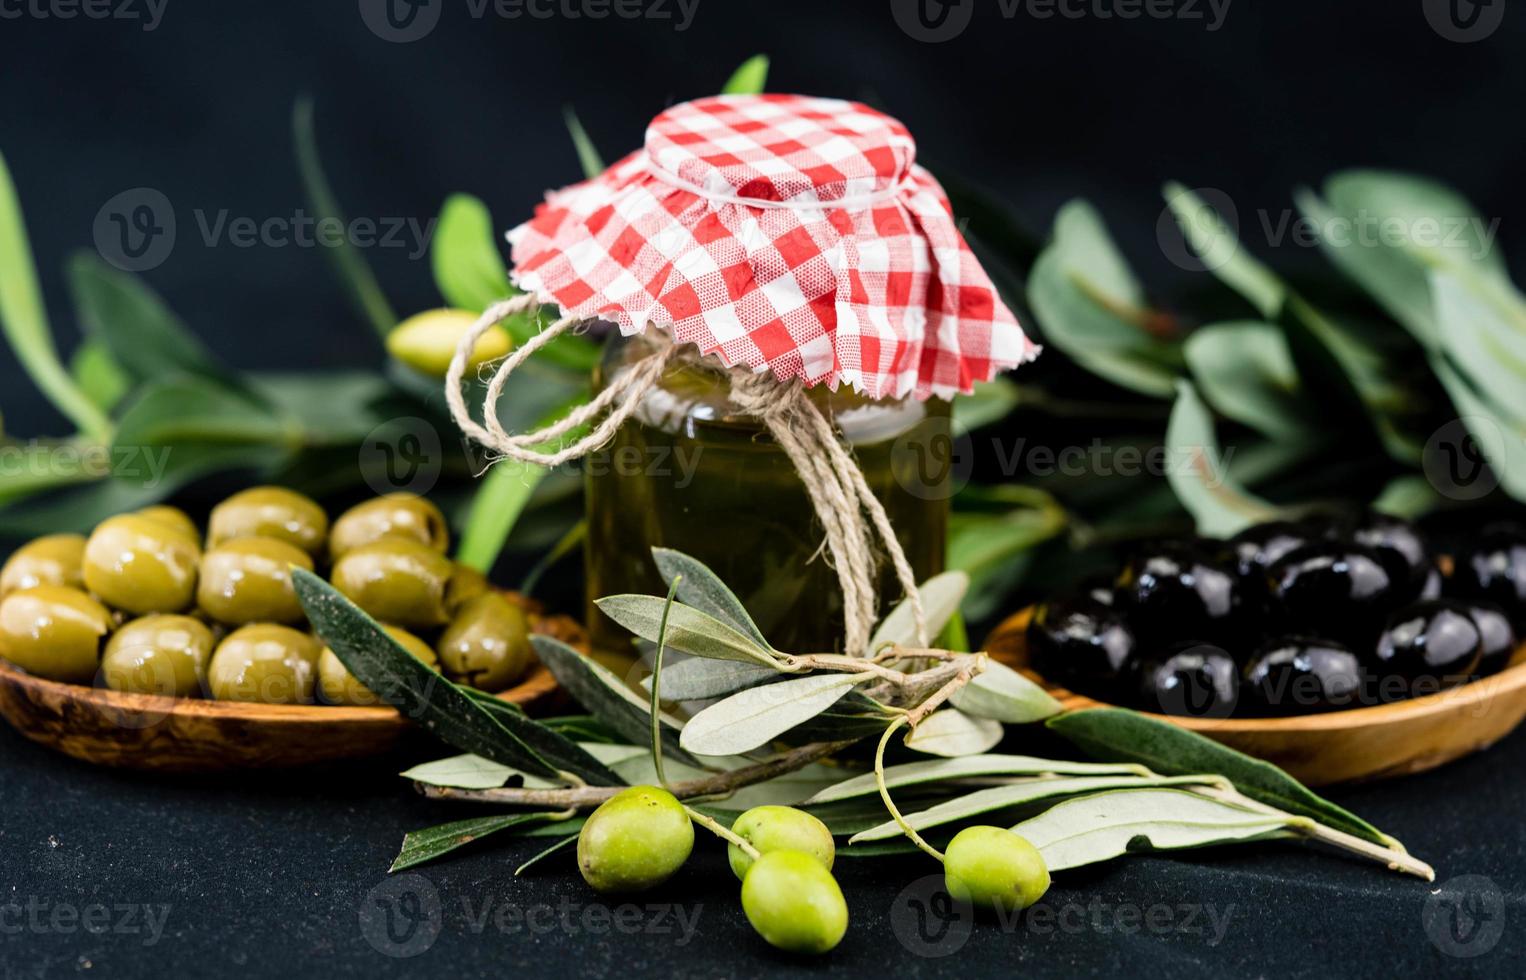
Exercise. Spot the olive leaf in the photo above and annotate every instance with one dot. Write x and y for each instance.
(570, 839)
(1015, 794)
(382, 664)
(1246, 371)
(757, 716)
(1483, 344)
(854, 716)
(941, 596)
(468, 269)
(1001, 693)
(588, 154)
(689, 630)
(1200, 475)
(1488, 426)
(1118, 735)
(698, 679)
(1221, 253)
(950, 732)
(970, 767)
(470, 772)
(1111, 824)
(702, 589)
(989, 403)
(750, 78)
(599, 691)
(420, 846)
(98, 374)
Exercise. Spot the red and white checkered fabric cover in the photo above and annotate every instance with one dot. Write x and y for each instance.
(784, 232)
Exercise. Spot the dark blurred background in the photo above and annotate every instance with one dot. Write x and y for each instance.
(1247, 97)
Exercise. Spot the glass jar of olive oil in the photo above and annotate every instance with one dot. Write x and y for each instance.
(689, 473)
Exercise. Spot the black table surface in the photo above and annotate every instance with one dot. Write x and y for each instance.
(113, 873)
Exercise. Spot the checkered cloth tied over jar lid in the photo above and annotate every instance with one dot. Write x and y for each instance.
(782, 232)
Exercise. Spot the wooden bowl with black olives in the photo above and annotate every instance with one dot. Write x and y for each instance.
(149, 645)
(1339, 650)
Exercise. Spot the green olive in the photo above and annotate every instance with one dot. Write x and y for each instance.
(165, 655)
(264, 664)
(794, 902)
(173, 517)
(635, 840)
(269, 512)
(465, 584)
(994, 868)
(427, 341)
(397, 515)
(57, 559)
(397, 581)
(141, 565)
(337, 685)
(487, 644)
(54, 632)
(248, 580)
(780, 828)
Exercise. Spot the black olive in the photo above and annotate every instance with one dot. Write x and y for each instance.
(1500, 641)
(1338, 591)
(1403, 548)
(1256, 548)
(1435, 583)
(1429, 645)
(1494, 571)
(1196, 680)
(1082, 644)
(1297, 675)
(1178, 593)
(1099, 589)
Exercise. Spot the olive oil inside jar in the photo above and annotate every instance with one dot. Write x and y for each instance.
(687, 472)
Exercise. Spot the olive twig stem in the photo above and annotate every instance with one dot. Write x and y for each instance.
(967, 671)
(587, 797)
(656, 705)
(714, 826)
(879, 780)
(1395, 859)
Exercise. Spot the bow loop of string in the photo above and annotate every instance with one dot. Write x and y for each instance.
(835, 484)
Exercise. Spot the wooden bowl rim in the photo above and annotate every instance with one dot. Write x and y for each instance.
(1511, 679)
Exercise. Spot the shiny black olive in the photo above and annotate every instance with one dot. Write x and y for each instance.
(1197, 680)
(1435, 583)
(1099, 589)
(1500, 641)
(1338, 591)
(1256, 548)
(1178, 593)
(1429, 645)
(1082, 644)
(1295, 676)
(1405, 551)
(1494, 571)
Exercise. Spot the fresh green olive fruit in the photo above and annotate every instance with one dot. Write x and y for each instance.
(427, 341)
(465, 584)
(397, 515)
(487, 644)
(780, 828)
(794, 902)
(53, 631)
(269, 512)
(161, 654)
(248, 580)
(337, 685)
(994, 868)
(57, 559)
(635, 840)
(397, 581)
(264, 664)
(173, 517)
(141, 565)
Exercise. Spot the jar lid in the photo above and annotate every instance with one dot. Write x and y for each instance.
(783, 233)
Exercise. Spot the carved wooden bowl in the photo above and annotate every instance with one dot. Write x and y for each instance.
(1339, 746)
(139, 731)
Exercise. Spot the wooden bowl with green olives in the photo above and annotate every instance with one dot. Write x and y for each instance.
(150, 646)
(1337, 651)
